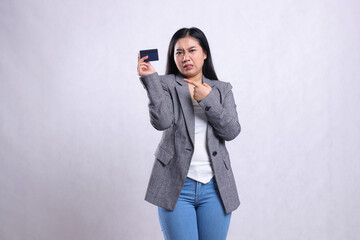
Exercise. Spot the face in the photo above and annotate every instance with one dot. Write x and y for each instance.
(189, 57)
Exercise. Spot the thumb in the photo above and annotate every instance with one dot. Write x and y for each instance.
(206, 85)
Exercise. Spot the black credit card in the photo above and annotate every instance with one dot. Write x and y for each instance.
(152, 53)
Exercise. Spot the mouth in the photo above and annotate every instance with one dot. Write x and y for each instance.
(188, 66)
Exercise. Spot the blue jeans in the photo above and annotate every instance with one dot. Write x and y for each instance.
(198, 214)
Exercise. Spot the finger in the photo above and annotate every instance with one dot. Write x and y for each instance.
(196, 84)
(148, 65)
(143, 64)
(188, 81)
(144, 68)
(143, 58)
(191, 82)
(206, 85)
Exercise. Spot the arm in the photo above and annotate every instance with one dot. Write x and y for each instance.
(160, 102)
(222, 117)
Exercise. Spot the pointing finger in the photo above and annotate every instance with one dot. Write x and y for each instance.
(206, 85)
(188, 81)
(191, 82)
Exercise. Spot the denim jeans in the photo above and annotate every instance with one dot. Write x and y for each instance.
(198, 214)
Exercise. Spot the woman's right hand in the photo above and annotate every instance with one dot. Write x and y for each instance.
(144, 68)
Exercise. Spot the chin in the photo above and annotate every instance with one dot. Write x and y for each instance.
(188, 74)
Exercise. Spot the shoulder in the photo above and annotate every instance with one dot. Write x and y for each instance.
(167, 78)
(222, 86)
(156, 75)
(155, 78)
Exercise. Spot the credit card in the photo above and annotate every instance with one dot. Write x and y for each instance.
(152, 53)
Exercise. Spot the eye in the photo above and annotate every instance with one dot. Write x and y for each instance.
(178, 53)
(192, 50)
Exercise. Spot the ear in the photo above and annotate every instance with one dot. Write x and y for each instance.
(205, 55)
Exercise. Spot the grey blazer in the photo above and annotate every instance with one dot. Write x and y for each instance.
(171, 111)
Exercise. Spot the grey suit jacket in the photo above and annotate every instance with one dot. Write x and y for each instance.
(171, 111)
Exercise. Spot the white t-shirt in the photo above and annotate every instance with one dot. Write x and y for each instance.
(200, 166)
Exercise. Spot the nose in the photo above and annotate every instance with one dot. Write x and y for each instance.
(186, 57)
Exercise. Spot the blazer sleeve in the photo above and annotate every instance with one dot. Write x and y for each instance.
(222, 117)
(160, 101)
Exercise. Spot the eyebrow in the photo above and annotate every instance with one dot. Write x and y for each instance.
(188, 48)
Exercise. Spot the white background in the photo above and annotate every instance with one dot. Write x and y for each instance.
(76, 144)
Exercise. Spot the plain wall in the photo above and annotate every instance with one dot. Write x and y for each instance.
(76, 144)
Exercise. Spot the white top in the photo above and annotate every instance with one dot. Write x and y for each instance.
(200, 166)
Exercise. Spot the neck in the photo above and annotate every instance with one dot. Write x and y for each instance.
(198, 78)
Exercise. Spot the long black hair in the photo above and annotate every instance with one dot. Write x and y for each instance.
(208, 67)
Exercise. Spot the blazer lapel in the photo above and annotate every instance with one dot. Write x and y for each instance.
(186, 106)
(209, 82)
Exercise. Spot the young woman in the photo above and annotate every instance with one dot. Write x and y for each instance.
(191, 182)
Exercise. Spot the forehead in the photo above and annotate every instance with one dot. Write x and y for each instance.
(186, 42)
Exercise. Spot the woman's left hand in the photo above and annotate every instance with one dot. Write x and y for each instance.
(200, 90)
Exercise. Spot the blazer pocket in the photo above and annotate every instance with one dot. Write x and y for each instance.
(227, 162)
(163, 156)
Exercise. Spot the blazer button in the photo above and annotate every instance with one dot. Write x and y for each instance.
(207, 108)
(214, 153)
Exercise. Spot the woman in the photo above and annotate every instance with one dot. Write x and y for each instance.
(191, 181)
